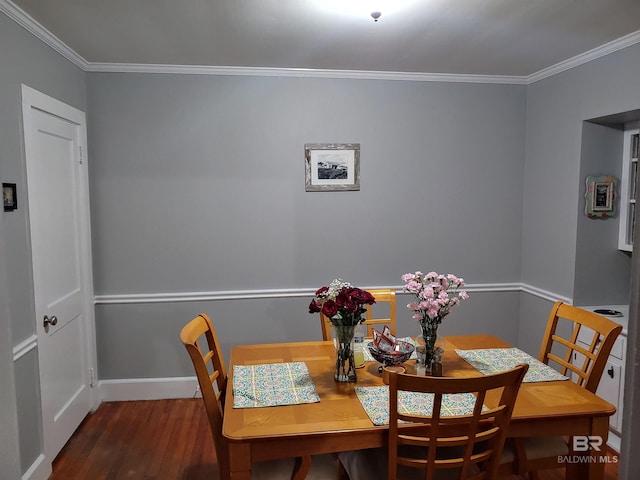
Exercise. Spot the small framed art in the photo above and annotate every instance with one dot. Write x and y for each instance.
(9, 197)
(332, 166)
(600, 196)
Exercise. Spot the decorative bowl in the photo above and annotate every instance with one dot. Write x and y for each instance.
(400, 353)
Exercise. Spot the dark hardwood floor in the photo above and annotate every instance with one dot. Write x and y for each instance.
(159, 440)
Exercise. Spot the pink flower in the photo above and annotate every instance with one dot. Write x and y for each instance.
(436, 294)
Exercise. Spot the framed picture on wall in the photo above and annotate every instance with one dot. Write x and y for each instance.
(600, 196)
(332, 166)
(9, 197)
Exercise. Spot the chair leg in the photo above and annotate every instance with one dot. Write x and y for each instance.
(342, 473)
(302, 467)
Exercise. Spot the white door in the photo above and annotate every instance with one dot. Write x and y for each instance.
(57, 184)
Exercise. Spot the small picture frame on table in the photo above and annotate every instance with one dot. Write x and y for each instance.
(332, 166)
(600, 196)
(9, 197)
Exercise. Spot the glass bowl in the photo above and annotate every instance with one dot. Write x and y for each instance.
(400, 354)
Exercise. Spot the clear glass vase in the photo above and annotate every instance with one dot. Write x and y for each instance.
(433, 347)
(345, 363)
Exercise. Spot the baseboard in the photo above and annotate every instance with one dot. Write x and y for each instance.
(614, 441)
(39, 470)
(148, 388)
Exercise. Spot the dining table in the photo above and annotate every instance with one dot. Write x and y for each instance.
(336, 420)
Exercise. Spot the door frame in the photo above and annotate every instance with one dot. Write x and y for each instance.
(33, 99)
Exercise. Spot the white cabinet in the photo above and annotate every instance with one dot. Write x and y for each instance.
(611, 387)
(628, 189)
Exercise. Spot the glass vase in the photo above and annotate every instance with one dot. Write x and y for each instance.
(345, 363)
(432, 344)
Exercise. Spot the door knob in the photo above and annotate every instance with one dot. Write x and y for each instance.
(50, 321)
(610, 372)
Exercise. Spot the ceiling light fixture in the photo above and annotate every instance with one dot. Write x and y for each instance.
(363, 9)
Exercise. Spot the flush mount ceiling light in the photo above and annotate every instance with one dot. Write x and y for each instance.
(364, 8)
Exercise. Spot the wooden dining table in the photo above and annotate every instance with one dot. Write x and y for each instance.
(338, 422)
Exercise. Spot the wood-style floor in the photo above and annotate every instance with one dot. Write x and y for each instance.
(159, 440)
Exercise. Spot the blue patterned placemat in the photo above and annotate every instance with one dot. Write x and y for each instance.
(272, 384)
(369, 358)
(375, 401)
(495, 360)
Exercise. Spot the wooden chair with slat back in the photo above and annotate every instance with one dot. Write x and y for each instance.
(471, 443)
(201, 341)
(382, 296)
(431, 444)
(325, 325)
(582, 364)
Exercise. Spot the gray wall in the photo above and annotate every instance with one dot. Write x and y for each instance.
(602, 271)
(197, 185)
(198, 181)
(553, 254)
(25, 59)
(9, 451)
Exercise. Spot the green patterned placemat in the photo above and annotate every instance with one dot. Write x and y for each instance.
(495, 360)
(272, 384)
(375, 401)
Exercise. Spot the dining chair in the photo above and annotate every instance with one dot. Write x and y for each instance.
(201, 341)
(434, 442)
(568, 329)
(325, 325)
(377, 313)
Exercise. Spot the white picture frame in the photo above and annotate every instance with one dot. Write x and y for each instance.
(332, 167)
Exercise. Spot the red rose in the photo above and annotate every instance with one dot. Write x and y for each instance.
(362, 296)
(322, 290)
(352, 307)
(314, 307)
(329, 308)
(370, 298)
(342, 298)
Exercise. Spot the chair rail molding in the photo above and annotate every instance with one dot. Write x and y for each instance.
(25, 347)
(177, 297)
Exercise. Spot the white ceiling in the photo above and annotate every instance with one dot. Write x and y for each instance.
(513, 38)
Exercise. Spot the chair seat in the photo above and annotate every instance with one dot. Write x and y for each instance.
(372, 464)
(323, 467)
(545, 447)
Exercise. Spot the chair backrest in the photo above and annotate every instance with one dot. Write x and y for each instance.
(432, 440)
(325, 325)
(201, 341)
(586, 362)
(382, 296)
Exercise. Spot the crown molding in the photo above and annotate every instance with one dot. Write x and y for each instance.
(302, 73)
(28, 23)
(601, 51)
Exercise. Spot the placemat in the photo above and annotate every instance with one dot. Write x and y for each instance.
(375, 401)
(495, 360)
(369, 358)
(272, 384)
